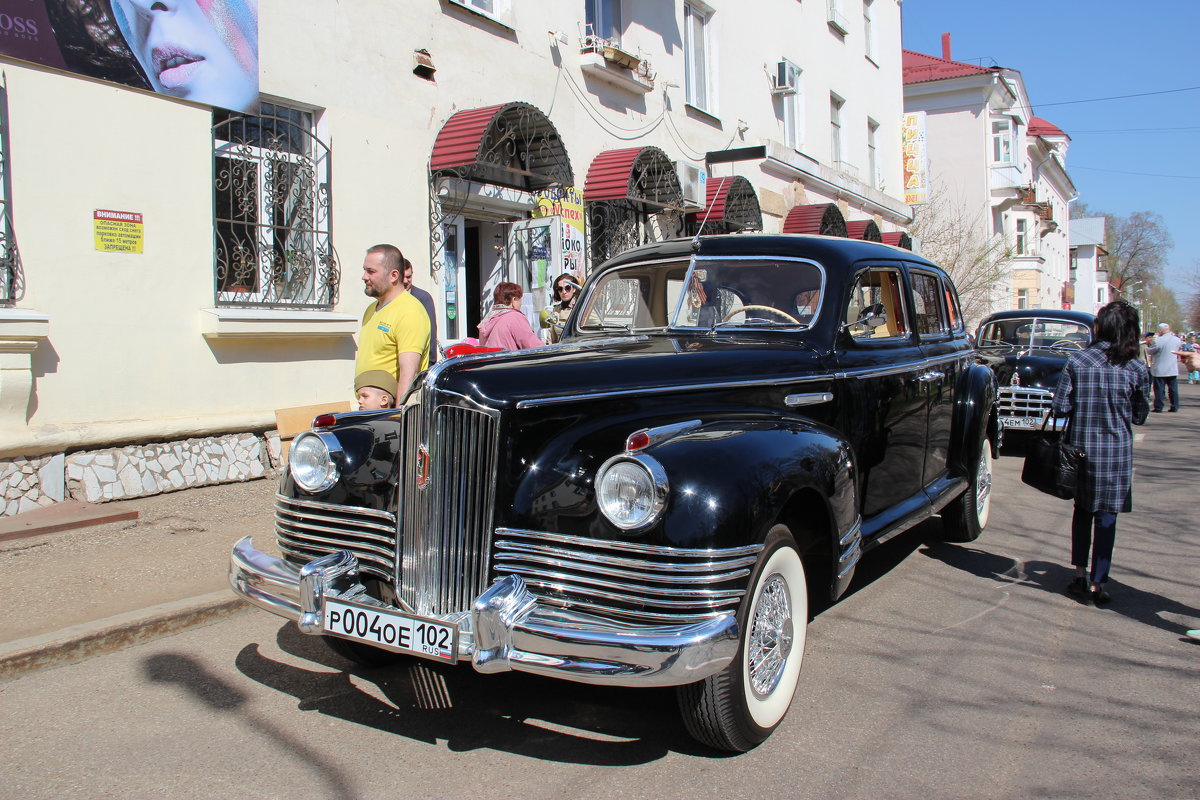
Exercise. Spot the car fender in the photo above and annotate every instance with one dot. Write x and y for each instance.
(731, 481)
(974, 413)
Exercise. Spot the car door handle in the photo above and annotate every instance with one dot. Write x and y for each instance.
(930, 377)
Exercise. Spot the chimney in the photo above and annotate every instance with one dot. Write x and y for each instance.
(946, 46)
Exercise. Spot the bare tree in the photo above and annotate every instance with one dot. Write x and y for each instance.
(958, 241)
(1137, 247)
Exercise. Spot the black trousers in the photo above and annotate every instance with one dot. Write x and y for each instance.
(1166, 386)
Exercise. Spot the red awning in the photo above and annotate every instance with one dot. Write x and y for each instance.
(864, 229)
(820, 218)
(513, 144)
(644, 175)
(731, 200)
(898, 239)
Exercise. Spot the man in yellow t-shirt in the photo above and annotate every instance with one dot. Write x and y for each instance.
(395, 330)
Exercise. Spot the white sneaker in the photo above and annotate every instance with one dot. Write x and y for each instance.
(1194, 634)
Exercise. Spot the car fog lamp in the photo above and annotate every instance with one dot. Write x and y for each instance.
(311, 463)
(631, 492)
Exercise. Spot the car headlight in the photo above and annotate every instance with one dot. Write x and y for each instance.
(311, 462)
(631, 491)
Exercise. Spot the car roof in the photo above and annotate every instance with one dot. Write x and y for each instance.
(827, 250)
(1081, 317)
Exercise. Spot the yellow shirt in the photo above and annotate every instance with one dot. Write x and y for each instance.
(402, 326)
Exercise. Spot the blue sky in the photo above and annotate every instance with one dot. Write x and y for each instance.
(1070, 50)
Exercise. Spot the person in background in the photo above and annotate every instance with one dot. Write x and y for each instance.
(565, 293)
(1192, 364)
(375, 389)
(505, 326)
(1164, 366)
(1103, 389)
(426, 300)
(395, 329)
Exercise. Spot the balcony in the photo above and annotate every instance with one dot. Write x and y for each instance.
(605, 60)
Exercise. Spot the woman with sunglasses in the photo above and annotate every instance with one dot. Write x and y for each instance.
(564, 293)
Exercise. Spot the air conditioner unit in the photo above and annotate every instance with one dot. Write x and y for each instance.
(694, 182)
(784, 80)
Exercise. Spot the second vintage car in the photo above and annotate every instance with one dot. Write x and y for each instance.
(658, 500)
(1027, 349)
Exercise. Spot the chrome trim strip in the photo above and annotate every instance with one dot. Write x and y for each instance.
(630, 547)
(547, 567)
(811, 399)
(306, 503)
(608, 590)
(662, 433)
(855, 531)
(631, 616)
(672, 568)
(542, 402)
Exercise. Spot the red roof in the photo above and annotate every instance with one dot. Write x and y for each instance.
(920, 68)
(1040, 127)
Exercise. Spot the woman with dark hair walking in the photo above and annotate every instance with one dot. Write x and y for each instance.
(1104, 389)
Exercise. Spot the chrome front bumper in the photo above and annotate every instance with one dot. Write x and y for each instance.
(507, 629)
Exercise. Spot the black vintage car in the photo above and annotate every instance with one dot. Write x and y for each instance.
(729, 424)
(1027, 349)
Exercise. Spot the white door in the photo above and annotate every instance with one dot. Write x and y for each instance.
(533, 254)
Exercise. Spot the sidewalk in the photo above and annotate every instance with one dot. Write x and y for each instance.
(76, 593)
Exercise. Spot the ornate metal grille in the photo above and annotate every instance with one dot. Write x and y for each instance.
(12, 279)
(518, 147)
(274, 245)
(652, 211)
(741, 211)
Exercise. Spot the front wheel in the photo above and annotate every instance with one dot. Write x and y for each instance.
(741, 705)
(967, 515)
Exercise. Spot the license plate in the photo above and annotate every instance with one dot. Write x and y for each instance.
(1022, 422)
(392, 630)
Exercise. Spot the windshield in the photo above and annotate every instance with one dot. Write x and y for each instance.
(705, 293)
(1025, 332)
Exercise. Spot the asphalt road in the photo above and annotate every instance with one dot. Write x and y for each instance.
(949, 671)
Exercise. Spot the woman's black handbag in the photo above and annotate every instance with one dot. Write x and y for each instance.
(1052, 464)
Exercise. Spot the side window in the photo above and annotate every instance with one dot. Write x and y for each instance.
(876, 308)
(930, 314)
(956, 318)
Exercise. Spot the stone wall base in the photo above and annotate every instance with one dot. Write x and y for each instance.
(120, 473)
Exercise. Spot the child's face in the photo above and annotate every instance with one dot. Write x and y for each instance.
(371, 398)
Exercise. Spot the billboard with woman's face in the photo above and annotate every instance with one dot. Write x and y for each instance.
(205, 51)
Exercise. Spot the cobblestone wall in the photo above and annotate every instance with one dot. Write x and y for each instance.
(27, 483)
(119, 473)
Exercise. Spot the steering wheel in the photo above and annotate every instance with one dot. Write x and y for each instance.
(771, 309)
(1067, 343)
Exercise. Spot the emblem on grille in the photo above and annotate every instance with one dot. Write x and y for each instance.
(422, 467)
(1016, 379)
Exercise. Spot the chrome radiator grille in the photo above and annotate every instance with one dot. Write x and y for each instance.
(446, 532)
(306, 529)
(624, 580)
(1017, 401)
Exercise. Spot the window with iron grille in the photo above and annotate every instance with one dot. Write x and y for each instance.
(274, 244)
(11, 279)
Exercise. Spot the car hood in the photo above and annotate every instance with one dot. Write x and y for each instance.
(1038, 368)
(590, 367)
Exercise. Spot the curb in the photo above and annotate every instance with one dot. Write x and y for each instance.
(80, 642)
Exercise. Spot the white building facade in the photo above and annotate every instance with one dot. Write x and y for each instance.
(177, 271)
(1000, 168)
(1089, 264)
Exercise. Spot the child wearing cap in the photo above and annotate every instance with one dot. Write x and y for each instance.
(375, 389)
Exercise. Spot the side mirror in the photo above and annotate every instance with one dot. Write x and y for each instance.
(872, 316)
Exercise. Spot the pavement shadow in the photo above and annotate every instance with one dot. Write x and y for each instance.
(190, 676)
(1128, 600)
(509, 712)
